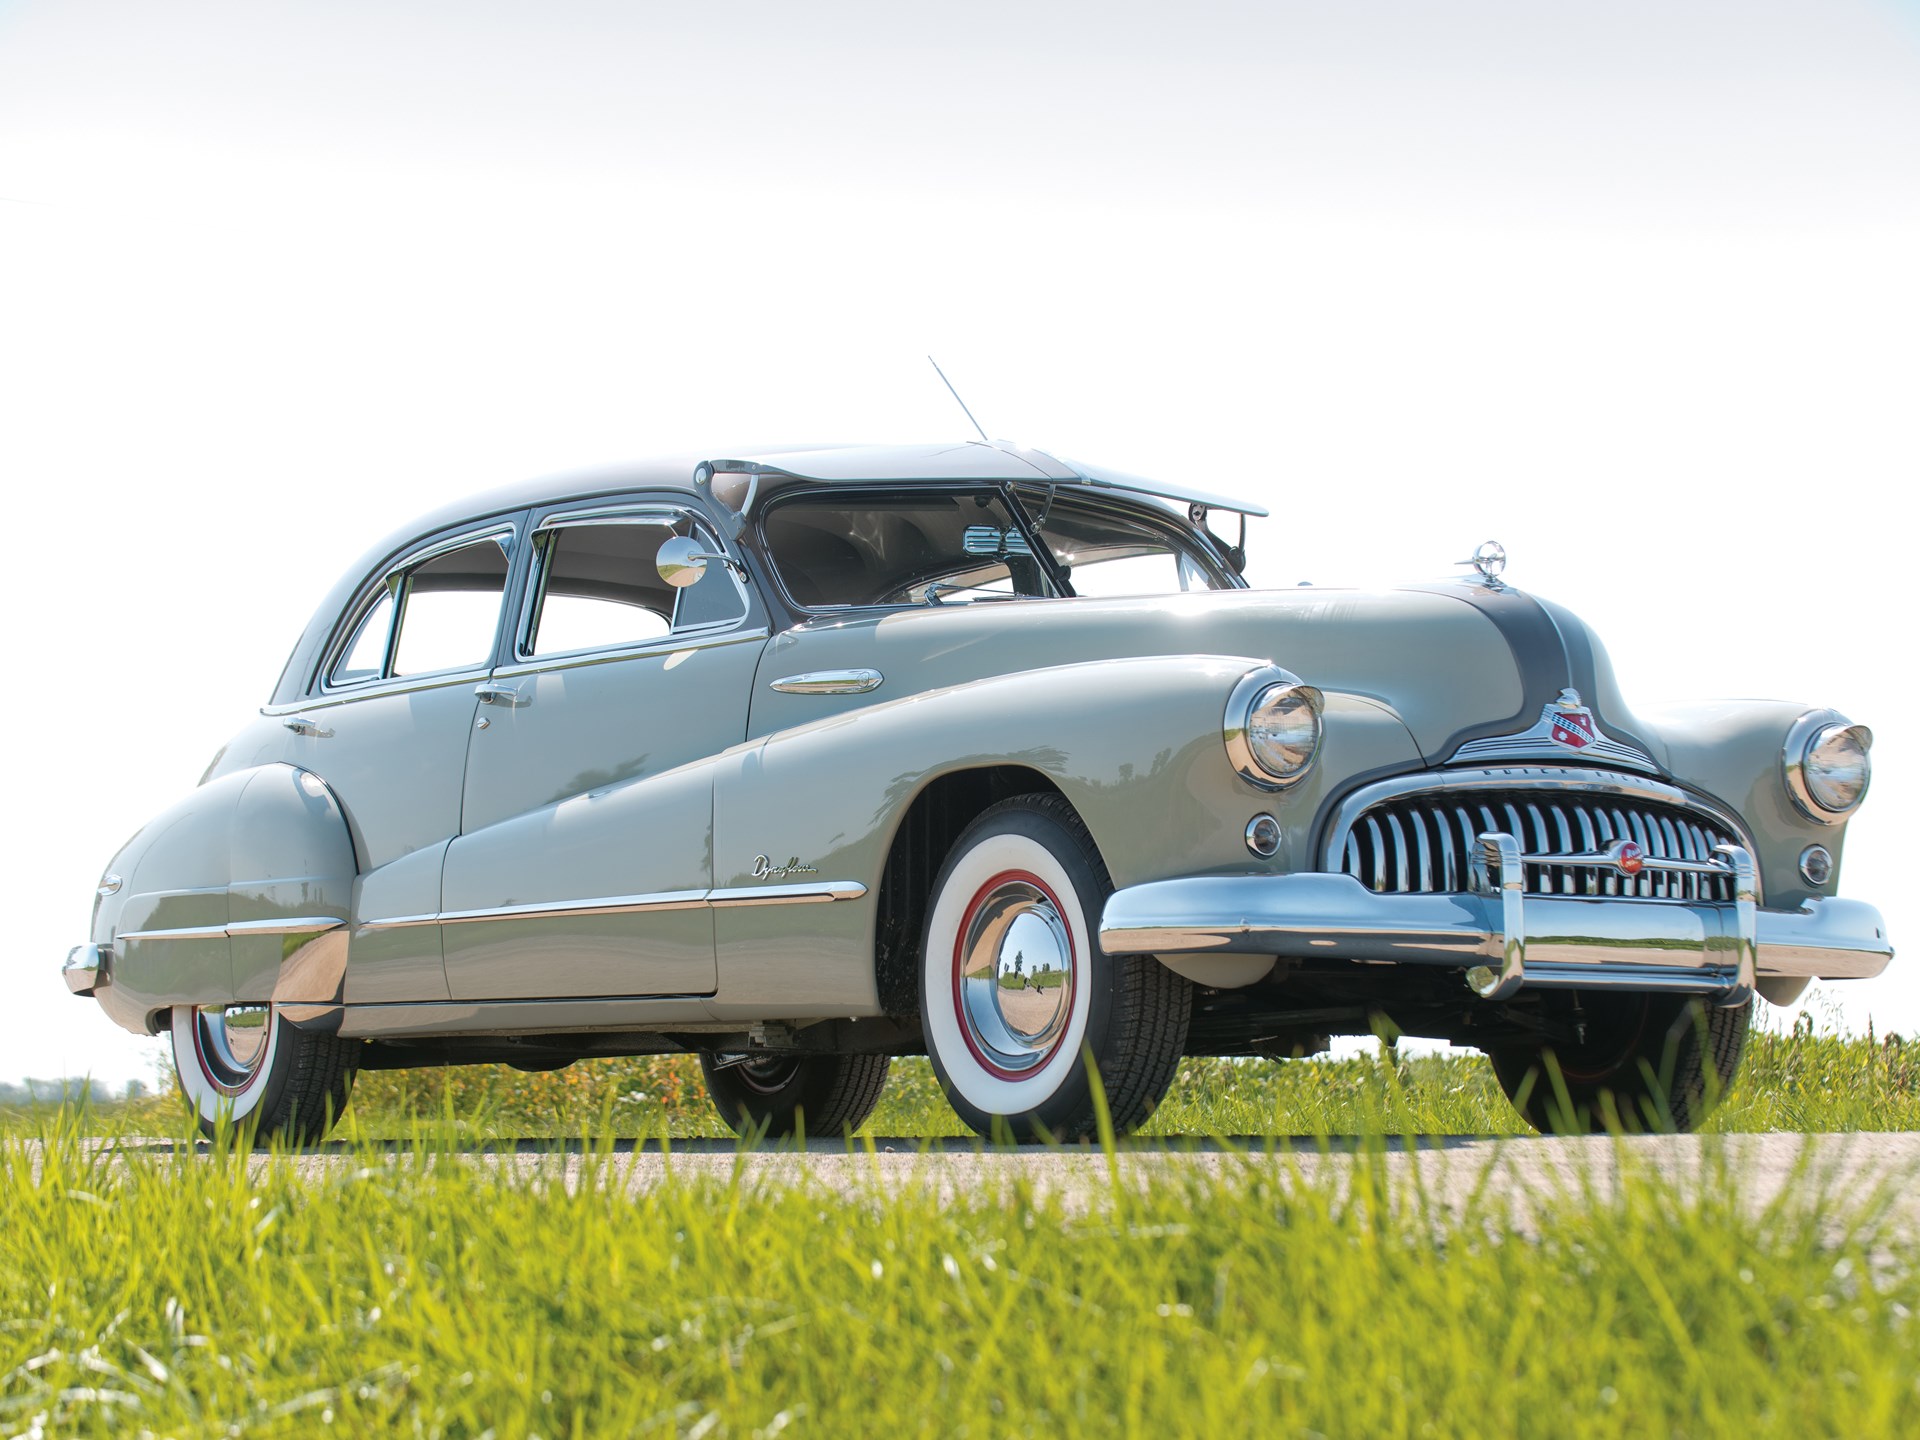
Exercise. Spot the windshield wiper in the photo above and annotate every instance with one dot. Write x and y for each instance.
(946, 587)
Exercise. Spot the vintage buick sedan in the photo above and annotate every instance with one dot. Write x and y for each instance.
(802, 761)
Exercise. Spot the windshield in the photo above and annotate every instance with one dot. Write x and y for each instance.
(1113, 549)
(841, 548)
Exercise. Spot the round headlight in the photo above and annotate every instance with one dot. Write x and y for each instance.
(1827, 765)
(1273, 728)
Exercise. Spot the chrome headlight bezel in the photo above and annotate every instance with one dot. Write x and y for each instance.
(1259, 689)
(1803, 774)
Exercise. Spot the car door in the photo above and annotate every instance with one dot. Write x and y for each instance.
(585, 851)
(387, 729)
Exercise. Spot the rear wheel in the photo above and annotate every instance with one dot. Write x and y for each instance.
(1015, 993)
(245, 1065)
(1643, 1062)
(781, 1095)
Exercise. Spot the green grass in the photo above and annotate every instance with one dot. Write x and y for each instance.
(1799, 1081)
(424, 1292)
(421, 1287)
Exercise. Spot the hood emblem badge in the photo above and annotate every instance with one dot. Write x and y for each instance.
(1569, 722)
(1566, 726)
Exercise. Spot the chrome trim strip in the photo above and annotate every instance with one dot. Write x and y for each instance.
(557, 909)
(689, 640)
(1534, 744)
(397, 922)
(293, 925)
(642, 512)
(1565, 781)
(814, 893)
(400, 685)
(296, 925)
(822, 891)
(829, 682)
(1596, 858)
(184, 932)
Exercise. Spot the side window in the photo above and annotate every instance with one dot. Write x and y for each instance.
(365, 658)
(599, 589)
(1118, 575)
(450, 608)
(447, 609)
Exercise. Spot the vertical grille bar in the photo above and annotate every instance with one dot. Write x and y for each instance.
(1427, 846)
(1423, 870)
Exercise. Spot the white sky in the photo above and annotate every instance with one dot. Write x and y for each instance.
(1631, 288)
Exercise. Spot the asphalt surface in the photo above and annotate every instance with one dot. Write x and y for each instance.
(1448, 1172)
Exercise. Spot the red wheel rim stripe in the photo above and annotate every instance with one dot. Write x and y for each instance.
(1011, 877)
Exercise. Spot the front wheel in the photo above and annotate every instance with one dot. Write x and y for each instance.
(245, 1065)
(780, 1095)
(1640, 1062)
(1016, 995)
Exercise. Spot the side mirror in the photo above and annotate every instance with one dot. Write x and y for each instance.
(681, 562)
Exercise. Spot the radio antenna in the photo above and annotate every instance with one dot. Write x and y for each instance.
(956, 395)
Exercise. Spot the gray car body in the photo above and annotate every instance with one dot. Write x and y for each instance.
(654, 838)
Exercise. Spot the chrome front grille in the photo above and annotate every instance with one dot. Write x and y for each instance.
(1429, 843)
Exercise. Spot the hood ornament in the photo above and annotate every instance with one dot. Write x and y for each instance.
(1489, 559)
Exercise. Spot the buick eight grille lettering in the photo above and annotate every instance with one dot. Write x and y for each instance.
(802, 761)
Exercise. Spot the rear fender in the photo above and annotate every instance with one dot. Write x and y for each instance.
(240, 892)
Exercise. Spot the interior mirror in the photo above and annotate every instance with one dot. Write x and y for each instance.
(681, 562)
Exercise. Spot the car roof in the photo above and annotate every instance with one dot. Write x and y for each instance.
(999, 461)
(779, 467)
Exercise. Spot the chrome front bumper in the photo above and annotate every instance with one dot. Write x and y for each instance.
(1504, 939)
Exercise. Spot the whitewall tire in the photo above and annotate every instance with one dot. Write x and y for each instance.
(246, 1066)
(1015, 994)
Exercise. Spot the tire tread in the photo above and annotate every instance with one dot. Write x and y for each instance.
(1151, 1005)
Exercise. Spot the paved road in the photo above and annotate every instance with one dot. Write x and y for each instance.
(1448, 1169)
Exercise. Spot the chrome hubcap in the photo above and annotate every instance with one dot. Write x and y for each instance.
(1014, 974)
(232, 1040)
(768, 1074)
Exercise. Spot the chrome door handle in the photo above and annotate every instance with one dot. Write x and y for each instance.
(829, 682)
(301, 725)
(499, 695)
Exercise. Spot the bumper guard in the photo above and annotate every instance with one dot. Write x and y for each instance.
(1504, 939)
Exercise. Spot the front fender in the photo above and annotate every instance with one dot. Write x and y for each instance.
(1732, 750)
(1135, 746)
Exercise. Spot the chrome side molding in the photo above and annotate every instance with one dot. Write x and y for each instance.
(816, 893)
(236, 929)
(829, 682)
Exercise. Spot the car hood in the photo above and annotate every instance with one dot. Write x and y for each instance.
(1458, 663)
